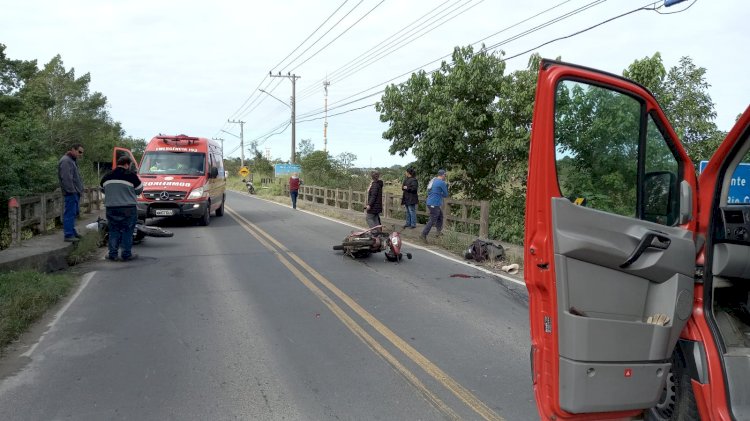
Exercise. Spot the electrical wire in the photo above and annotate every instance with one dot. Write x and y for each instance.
(644, 7)
(326, 33)
(485, 38)
(402, 44)
(339, 36)
(255, 91)
(333, 115)
(313, 33)
(315, 85)
(378, 55)
(675, 12)
(515, 37)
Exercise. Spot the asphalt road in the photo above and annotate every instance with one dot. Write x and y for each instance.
(255, 317)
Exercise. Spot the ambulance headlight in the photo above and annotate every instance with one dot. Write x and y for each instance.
(196, 193)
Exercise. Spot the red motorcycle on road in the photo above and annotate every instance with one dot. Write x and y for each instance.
(374, 240)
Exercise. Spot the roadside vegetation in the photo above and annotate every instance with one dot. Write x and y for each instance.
(24, 297)
(471, 117)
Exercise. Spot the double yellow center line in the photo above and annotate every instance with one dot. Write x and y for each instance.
(433, 370)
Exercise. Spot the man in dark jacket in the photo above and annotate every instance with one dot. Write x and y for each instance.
(121, 187)
(71, 186)
(410, 197)
(374, 200)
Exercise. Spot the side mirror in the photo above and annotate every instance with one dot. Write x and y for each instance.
(214, 172)
(660, 198)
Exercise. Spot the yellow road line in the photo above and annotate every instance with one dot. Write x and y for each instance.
(430, 368)
(350, 323)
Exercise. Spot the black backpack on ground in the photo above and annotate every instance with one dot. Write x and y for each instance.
(481, 250)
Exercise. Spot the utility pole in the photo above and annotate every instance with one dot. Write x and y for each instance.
(325, 124)
(242, 140)
(221, 139)
(293, 78)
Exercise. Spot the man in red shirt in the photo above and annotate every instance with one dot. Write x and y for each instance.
(294, 183)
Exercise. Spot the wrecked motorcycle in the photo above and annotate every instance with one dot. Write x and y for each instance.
(374, 240)
(139, 233)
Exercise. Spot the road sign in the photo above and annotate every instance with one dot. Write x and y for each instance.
(739, 185)
(244, 171)
(286, 169)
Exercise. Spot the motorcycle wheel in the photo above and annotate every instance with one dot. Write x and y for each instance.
(356, 243)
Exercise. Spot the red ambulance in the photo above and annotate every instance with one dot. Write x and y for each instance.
(183, 176)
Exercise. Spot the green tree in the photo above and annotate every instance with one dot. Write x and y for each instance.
(345, 161)
(42, 112)
(683, 94)
(473, 119)
(304, 148)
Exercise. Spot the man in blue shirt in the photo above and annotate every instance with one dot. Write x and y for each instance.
(436, 191)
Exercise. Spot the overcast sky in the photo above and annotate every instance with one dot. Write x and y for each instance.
(187, 66)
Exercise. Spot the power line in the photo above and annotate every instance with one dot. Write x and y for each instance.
(644, 7)
(326, 33)
(339, 36)
(313, 33)
(475, 43)
(674, 13)
(399, 45)
(524, 33)
(315, 85)
(333, 115)
(265, 76)
(260, 98)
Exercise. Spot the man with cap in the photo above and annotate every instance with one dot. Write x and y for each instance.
(437, 189)
(121, 187)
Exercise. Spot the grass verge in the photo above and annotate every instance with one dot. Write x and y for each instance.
(24, 297)
(84, 248)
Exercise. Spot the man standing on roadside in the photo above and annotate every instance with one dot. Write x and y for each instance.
(294, 183)
(410, 198)
(71, 186)
(121, 187)
(374, 200)
(436, 191)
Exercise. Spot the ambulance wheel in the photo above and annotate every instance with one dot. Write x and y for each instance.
(220, 210)
(677, 401)
(206, 218)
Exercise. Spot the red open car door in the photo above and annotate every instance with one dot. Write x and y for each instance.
(724, 191)
(609, 245)
(118, 152)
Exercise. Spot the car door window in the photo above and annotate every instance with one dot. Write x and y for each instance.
(598, 150)
(661, 183)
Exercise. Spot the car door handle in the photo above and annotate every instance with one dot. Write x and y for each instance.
(649, 240)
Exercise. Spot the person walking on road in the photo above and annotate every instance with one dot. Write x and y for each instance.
(436, 191)
(71, 186)
(374, 200)
(294, 183)
(410, 197)
(121, 187)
